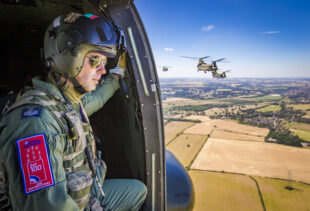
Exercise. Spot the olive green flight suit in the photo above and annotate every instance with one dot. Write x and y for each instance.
(67, 157)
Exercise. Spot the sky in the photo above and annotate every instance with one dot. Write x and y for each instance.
(258, 38)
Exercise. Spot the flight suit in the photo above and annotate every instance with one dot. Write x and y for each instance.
(43, 111)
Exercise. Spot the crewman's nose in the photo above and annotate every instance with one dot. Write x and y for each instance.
(101, 70)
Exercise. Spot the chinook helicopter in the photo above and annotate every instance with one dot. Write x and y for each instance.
(221, 75)
(165, 68)
(133, 147)
(203, 66)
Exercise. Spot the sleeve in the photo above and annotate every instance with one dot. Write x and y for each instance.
(94, 100)
(48, 198)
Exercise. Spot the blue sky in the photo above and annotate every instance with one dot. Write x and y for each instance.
(259, 38)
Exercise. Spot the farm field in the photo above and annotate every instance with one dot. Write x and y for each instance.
(302, 130)
(240, 128)
(300, 106)
(254, 158)
(203, 128)
(186, 146)
(277, 197)
(303, 134)
(221, 134)
(173, 128)
(269, 108)
(221, 191)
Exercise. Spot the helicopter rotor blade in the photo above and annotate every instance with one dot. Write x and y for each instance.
(220, 60)
(190, 57)
(204, 57)
(226, 71)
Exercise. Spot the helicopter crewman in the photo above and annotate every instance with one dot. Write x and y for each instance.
(48, 158)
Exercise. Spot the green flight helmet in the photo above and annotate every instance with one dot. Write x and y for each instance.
(70, 37)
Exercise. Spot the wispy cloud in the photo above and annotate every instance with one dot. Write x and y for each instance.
(271, 32)
(207, 28)
(168, 49)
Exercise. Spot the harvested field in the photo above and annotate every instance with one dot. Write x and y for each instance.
(240, 128)
(300, 106)
(299, 126)
(307, 116)
(221, 134)
(203, 128)
(173, 99)
(173, 128)
(277, 197)
(201, 118)
(220, 191)
(186, 146)
(254, 158)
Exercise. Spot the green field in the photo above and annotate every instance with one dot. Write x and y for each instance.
(270, 108)
(302, 130)
(302, 134)
(266, 98)
(277, 198)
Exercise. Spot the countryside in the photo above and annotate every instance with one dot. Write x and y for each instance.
(244, 142)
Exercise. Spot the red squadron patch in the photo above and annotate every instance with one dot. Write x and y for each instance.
(35, 163)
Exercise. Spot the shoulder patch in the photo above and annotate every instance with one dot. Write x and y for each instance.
(34, 162)
(31, 112)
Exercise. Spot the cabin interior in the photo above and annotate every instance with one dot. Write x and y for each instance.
(118, 125)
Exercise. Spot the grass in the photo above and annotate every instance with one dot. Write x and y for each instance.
(281, 195)
(302, 134)
(302, 130)
(270, 108)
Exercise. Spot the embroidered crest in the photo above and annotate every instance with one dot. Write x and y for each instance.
(31, 112)
(35, 163)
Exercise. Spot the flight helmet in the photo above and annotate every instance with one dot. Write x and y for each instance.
(70, 37)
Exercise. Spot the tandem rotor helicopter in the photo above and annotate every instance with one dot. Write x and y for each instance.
(209, 67)
(165, 68)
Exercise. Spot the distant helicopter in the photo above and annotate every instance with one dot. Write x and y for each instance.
(217, 75)
(165, 68)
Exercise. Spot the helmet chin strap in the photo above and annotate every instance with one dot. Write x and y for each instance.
(77, 86)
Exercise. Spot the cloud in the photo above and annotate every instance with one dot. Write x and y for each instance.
(271, 32)
(168, 49)
(207, 28)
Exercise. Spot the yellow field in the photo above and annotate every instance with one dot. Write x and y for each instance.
(277, 198)
(270, 108)
(173, 128)
(220, 191)
(254, 158)
(201, 118)
(186, 146)
(240, 128)
(299, 126)
(300, 106)
(203, 128)
(307, 115)
(235, 136)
